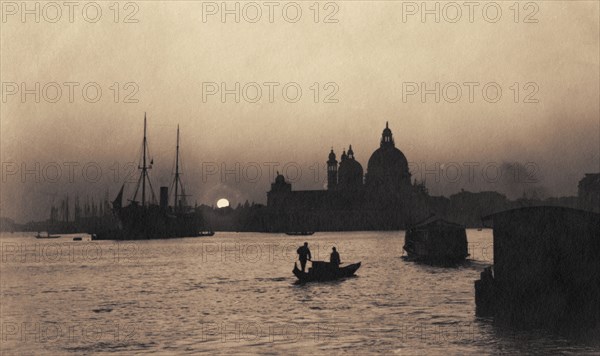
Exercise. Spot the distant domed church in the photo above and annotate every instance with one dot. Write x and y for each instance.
(388, 166)
(381, 199)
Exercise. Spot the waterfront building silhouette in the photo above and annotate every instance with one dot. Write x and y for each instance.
(383, 198)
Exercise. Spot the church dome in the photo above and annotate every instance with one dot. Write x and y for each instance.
(350, 172)
(387, 161)
(387, 164)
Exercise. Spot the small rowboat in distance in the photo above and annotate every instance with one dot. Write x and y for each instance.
(324, 271)
(300, 233)
(48, 236)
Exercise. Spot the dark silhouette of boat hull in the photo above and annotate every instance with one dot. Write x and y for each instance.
(151, 222)
(300, 233)
(40, 236)
(324, 271)
(437, 242)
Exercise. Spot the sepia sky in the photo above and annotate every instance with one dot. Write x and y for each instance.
(373, 58)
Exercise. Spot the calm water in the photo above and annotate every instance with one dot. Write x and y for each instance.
(235, 293)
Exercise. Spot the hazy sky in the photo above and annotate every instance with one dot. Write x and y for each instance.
(373, 58)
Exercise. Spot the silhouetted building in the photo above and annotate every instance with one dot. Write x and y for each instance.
(468, 207)
(350, 172)
(7, 224)
(546, 270)
(388, 168)
(589, 192)
(382, 199)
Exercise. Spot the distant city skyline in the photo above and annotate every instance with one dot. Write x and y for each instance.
(209, 181)
(353, 77)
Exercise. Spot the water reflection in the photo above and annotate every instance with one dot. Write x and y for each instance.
(235, 293)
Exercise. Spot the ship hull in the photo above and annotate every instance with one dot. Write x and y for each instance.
(323, 272)
(151, 222)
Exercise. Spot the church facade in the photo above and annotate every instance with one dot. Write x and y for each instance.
(383, 198)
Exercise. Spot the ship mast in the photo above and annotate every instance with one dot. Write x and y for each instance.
(144, 168)
(176, 205)
(179, 203)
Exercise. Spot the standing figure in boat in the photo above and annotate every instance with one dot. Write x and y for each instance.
(304, 255)
(334, 258)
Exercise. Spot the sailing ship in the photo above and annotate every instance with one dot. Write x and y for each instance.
(145, 219)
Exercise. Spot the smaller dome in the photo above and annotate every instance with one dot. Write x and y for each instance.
(344, 155)
(350, 174)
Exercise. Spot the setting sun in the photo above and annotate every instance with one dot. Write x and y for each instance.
(222, 203)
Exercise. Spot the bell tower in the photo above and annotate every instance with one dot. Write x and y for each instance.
(332, 171)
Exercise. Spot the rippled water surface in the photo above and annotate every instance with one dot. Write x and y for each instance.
(235, 293)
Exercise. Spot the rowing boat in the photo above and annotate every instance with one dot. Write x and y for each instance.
(324, 271)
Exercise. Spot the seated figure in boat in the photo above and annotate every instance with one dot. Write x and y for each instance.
(304, 255)
(334, 258)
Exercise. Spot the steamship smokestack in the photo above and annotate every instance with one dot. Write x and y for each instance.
(164, 197)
